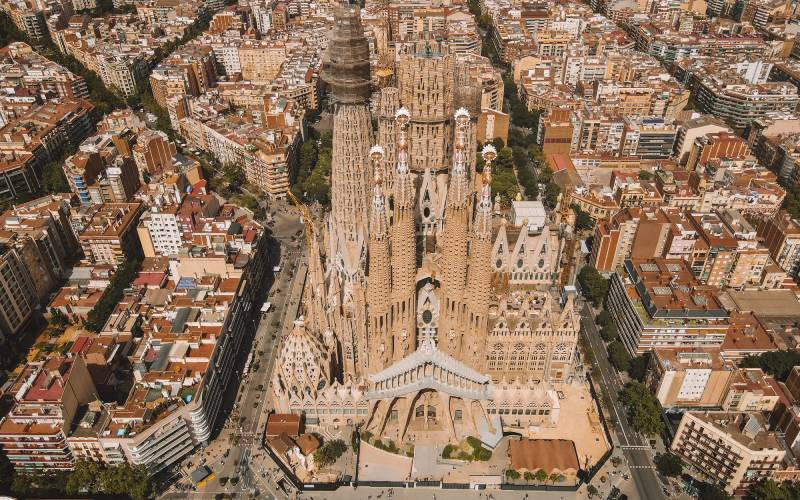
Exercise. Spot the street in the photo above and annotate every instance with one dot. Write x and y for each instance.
(236, 452)
(635, 449)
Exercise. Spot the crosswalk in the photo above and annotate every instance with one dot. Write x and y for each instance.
(641, 467)
(634, 447)
(247, 438)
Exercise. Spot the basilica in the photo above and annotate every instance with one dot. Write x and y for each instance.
(427, 313)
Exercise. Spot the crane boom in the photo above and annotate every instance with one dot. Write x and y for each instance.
(309, 225)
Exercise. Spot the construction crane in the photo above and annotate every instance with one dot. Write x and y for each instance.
(309, 232)
(570, 239)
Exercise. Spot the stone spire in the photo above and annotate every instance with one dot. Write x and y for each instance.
(404, 247)
(388, 104)
(346, 70)
(479, 277)
(454, 239)
(379, 277)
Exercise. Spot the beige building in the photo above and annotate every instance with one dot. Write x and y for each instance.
(751, 390)
(689, 378)
(109, 236)
(261, 61)
(731, 448)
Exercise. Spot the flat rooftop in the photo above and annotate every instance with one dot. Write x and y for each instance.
(766, 303)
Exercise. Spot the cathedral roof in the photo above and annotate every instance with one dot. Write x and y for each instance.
(429, 368)
(428, 353)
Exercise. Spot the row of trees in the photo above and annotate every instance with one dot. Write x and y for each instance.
(521, 116)
(310, 179)
(776, 363)
(643, 408)
(539, 476)
(617, 353)
(593, 286)
(88, 478)
(504, 180)
(122, 279)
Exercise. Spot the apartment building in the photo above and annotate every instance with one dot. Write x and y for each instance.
(161, 229)
(43, 243)
(153, 153)
(613, 239)
(23, 67)
(47, 397)
(109, 233)
(781, 235)
(264, 152)
(261, 62)
(694, 128)
(17, 291)
(740, 103)
(648, 137)
(706, 379)
(40, 135)
(751, 390)
(190, 70)
(716, 146)
(731, 448)
(785, 418)
(102, 171)
(659, 303)
(124, 72)
(46, 220)
(555, 132)
(28, 17)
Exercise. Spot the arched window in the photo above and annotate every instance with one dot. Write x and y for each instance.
(496, 356)
(518, 357)
(561, 353)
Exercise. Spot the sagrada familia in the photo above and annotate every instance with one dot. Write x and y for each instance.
(411, 325)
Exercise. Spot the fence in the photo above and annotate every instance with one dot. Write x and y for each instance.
(596, 467)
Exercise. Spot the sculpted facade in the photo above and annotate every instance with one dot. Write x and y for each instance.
(419, 319)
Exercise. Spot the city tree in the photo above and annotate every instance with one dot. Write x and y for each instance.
(668, 464)
(593, 286)
(644, 408)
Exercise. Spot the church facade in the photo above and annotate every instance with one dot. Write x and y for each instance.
(426, 314)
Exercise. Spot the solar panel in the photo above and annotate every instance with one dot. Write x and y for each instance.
(649, 267)
(662, 290)
(674, 268)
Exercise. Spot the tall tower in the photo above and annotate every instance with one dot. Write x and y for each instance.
(479, 277)
(379, 275)
(426, 84)
(404, 248)
(346, 69)
(388, 104)
(454, 239)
